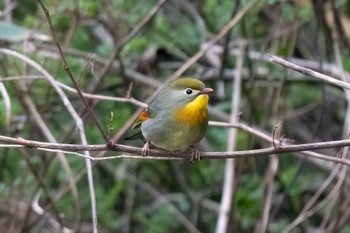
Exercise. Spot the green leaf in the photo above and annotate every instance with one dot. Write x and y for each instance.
(13, 32)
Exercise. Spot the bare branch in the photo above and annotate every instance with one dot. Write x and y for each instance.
(7, 103)
(69, 73)
(282, 149)
(309, 72)
(212, 42)
(78, 121)
(125, 40)
(229, 175)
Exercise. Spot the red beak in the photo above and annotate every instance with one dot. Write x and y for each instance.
(206, 90)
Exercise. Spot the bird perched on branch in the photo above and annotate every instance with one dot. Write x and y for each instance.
(176, 119)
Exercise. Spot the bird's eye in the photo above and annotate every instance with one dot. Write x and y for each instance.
(189, 91)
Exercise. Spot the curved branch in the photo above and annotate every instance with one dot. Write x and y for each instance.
(282, 149)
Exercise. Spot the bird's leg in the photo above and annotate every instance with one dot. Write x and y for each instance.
(145, 149)
(196, 155)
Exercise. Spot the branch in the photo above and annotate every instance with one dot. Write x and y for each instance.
(136, 151)
(7, 105)
(125, 40)
(211, 43)
(127, 99)
(69, 73)
(309, 72)
(229, 177)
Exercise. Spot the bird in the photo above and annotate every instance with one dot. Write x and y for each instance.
(176, 119)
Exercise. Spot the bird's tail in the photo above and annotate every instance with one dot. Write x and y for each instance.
(135, 136)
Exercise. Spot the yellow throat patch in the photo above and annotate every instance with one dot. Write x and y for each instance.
(194, 112)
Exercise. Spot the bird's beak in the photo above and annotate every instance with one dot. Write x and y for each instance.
(206, 90)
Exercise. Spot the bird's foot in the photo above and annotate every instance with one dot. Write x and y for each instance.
(145, 150)
(196, 155)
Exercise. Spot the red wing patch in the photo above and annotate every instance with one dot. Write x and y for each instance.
(143, 117)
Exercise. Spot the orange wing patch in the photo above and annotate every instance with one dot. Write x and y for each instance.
(143, 117)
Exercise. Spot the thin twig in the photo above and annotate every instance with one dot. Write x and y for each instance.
(268, 194)
(341, 184)
(127, 99)
(104, 97)
(17, 78)
(220, 82)
(42, 186)
(178, 215)
(129, 203)
(136, 29)
(305, 213)
(311, 207)
(212, 42)
(7, 105)
(78, 121)
(229, 175)
(69, 73)
(333, 196)
(42, 126)
(309, 72)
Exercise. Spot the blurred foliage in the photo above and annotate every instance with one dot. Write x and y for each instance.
(130, 193)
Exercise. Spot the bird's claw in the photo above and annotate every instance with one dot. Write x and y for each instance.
(196, 155)
(145, 150)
